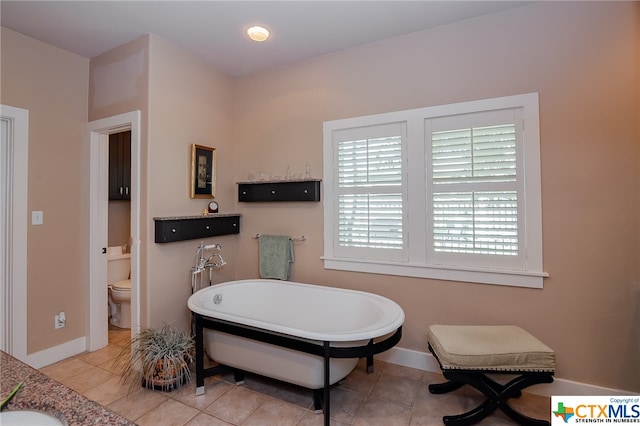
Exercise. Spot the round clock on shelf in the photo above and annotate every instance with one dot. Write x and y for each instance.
(212, 207)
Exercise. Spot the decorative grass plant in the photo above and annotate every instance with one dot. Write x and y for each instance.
(157, 358)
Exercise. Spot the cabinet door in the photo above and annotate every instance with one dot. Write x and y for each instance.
(125, 155)
(120, 166)
(168, 231)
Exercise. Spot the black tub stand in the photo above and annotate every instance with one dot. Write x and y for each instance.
(321, 349)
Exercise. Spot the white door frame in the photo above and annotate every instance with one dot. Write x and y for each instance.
(99, 132)
(13, 247)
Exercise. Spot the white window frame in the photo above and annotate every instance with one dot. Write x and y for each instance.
(418, 262)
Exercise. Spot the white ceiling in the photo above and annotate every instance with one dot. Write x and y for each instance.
(214, 30)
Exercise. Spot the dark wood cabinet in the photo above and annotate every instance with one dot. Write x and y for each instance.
(302, 190)
(120, 166)
(170, 229)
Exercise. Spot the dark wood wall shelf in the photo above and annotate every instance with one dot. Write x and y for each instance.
(180, 228)
(290, 190)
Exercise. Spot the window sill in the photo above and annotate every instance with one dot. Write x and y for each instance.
(511, 278)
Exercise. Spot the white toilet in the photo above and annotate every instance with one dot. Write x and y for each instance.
(118, 270)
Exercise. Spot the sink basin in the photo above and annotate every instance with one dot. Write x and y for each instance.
(30, 418)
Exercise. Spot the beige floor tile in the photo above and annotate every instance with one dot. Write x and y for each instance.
(433, 377)
(317, 419)
(108, 354)
(135, 404)
(204, 419)
(470, 397)
(536, 406)
(376, 412)
(429, 408)
(426, 418)
(402, 371)
(361, 381)
(441, 404)
(236, 405)
(119, 336)
(214, 389)
(107, 392)
(168, 413)
(275, 412)
(345, 404)
(113, 366)
(397, 388)
(528, 404)
(88, 379)
(65, 369)
(257, 383)
(298, 396)
(392, 395)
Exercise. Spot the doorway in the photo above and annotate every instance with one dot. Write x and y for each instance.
(99, 132)
(119, 218)
(14, 161)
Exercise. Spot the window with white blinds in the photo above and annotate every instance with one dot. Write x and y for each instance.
(448, 192)
(370, 195)
(476, 222)
(472, 167)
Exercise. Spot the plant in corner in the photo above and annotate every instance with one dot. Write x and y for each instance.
(157, 358)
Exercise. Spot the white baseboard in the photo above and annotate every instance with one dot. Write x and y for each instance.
(426, 362)
(57, 353)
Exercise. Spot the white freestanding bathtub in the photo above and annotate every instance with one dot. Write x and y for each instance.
(304, 334)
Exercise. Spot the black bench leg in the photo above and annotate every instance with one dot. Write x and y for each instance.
(497, 395)
(472, 416)
(514, 388)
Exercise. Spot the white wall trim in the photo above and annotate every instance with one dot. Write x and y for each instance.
(57, 353)
(99, 131)
(560, 387)
(13, 297)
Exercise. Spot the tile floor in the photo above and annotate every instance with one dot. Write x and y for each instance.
(392, 395)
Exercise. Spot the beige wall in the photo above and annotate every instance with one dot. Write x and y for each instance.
(119, 223)
(119, 81)
(52, 84)
(582, 58)
(188, 103)
(118, 84)
(183, 101)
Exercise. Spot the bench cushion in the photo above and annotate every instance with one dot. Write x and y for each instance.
(502, 348)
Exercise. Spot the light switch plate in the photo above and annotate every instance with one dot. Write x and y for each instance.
(37, 217)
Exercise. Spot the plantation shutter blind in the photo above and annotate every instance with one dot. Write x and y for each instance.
(371, 196)
(476, 187)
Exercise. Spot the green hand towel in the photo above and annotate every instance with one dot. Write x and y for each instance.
(276, 255)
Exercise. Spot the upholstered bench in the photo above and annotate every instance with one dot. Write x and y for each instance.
(468, 353)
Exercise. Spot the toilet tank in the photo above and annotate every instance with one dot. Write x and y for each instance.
(118, 267)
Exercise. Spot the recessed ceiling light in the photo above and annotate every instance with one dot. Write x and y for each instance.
(258, 33)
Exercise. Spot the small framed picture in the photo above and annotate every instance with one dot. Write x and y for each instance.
(203, 171)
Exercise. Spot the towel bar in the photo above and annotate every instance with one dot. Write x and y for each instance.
(301, 238)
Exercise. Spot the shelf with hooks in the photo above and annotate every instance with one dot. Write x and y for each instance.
(170, 229)
(289, 190)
